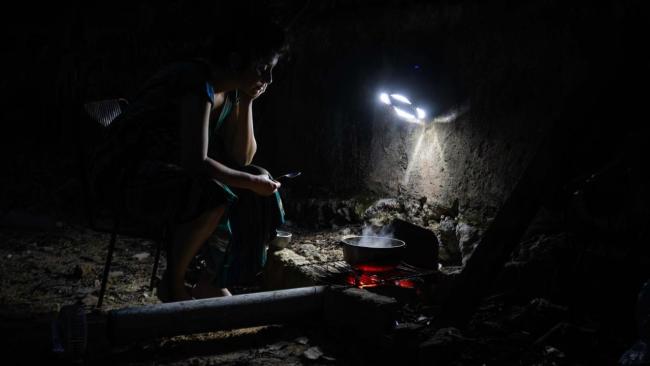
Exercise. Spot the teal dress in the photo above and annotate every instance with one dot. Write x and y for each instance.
(215, 126)
(235, 257)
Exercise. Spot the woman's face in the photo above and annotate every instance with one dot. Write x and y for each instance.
(256, 78)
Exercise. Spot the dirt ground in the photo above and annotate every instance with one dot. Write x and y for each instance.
(42, 270)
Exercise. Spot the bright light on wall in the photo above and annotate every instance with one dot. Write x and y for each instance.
(400, 98)
(403, 108)
(404, 114)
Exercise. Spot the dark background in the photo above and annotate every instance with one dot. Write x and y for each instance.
(574, 73)
(524, 67)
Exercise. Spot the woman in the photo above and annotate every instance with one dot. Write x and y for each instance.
(186, 142)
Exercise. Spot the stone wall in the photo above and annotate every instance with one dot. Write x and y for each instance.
(520, 67)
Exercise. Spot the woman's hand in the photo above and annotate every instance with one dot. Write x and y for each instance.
(252, 93)
(263, 185)
(247, 96)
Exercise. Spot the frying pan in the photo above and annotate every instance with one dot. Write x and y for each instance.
(372, 251)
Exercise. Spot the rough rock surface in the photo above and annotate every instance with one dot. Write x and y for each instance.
(457, 234)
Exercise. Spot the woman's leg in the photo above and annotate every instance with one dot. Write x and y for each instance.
(188, 239)
(160, 192)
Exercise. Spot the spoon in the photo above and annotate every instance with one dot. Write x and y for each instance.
(288, 175)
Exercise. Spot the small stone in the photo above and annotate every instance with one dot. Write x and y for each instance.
(82, 270)
(89, 300)
(554, 352)
(346, 214)
(277, 346)
(302, 340)
(449, 250)
(422, 318)
(141, 256)
(313, 353)
(468, 237)
(84, 291)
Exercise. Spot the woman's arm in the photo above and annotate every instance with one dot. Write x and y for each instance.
(238, 132)
(195, 113)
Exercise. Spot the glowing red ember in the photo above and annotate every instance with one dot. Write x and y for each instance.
(367, 276)
(370, 268)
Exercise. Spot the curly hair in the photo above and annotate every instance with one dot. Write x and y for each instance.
(251, 35)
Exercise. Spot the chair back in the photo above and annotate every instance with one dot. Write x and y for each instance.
(105, 111)
(88, 136)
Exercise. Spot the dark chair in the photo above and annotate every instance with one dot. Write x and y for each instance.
(104, 113)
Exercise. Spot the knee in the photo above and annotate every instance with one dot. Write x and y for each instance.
(254, 169)
(217, 211)
(212, 216)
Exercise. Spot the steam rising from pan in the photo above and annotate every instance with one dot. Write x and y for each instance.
(376, 238)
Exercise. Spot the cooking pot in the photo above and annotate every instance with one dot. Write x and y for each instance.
(372, 251)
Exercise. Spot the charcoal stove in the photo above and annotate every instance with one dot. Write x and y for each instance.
(403, 282)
